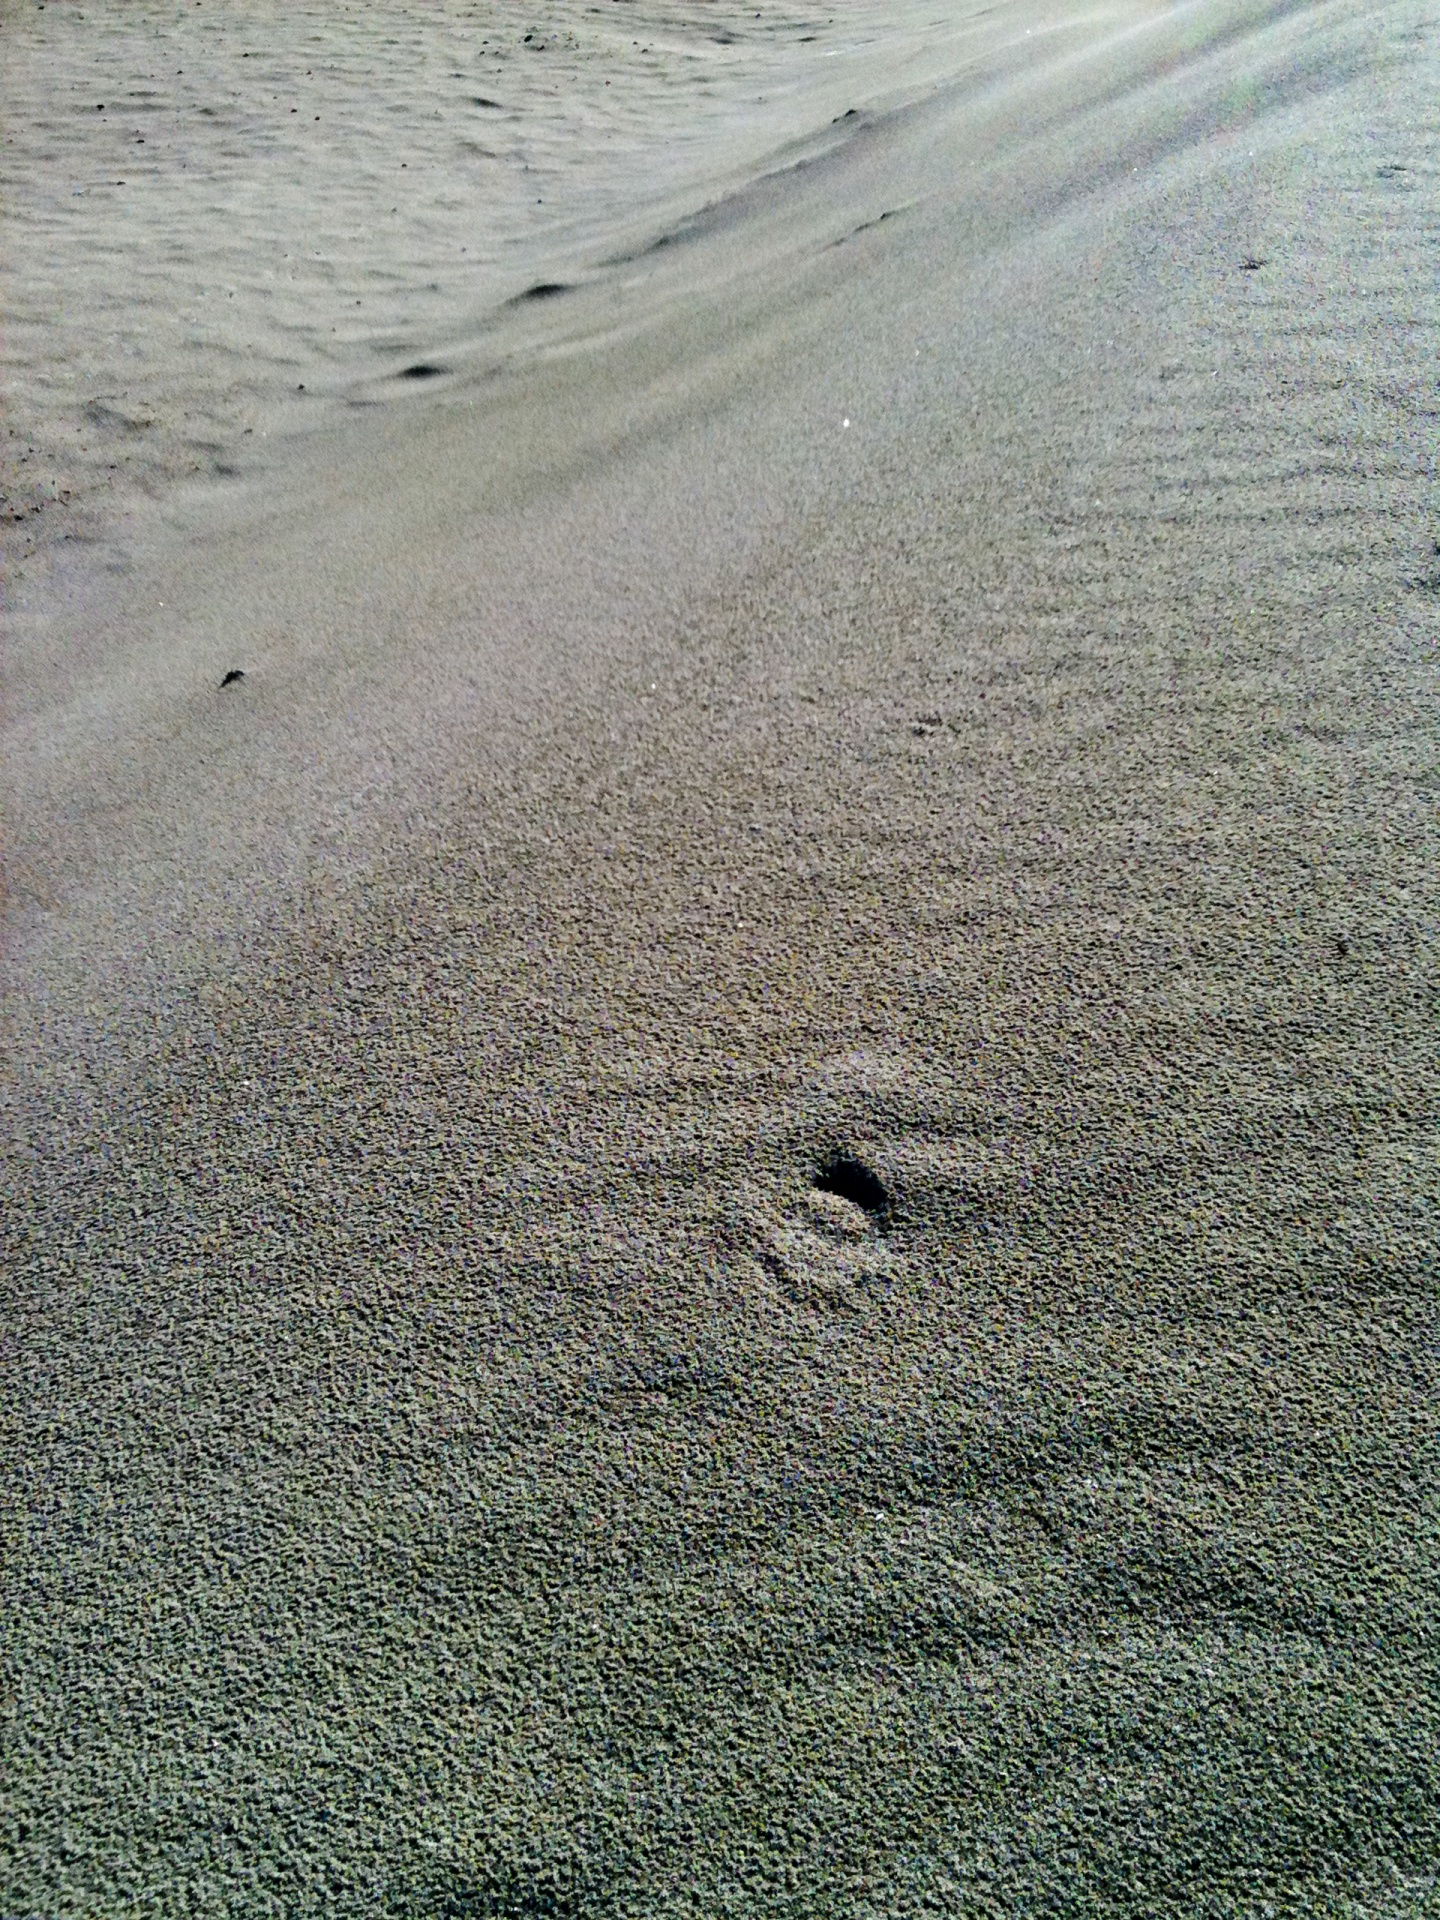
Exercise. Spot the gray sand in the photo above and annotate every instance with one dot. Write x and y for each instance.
(213, 208)
(954, 690)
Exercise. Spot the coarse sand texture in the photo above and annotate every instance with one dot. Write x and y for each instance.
(720, 990)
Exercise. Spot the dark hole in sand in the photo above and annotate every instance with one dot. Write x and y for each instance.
(544, 290)
(422, 370)
(842, 1173)
(235, 673)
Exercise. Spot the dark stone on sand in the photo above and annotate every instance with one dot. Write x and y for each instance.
(235, 673)
(544, 290)
(1252, 263)
(422, 370)
(843, 1174)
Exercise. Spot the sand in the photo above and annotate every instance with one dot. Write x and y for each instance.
(724, 1200)
(214, 210)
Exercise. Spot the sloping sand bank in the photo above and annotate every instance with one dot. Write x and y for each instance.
(724, 1201)
(223, 219)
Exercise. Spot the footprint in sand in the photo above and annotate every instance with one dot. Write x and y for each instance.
(829, 1248)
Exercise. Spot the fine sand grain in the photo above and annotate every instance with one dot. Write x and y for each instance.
(723, 1200)
(222, 221)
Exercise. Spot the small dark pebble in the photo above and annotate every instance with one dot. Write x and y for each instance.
(422, 370)
(235, 673)
(1252, 263)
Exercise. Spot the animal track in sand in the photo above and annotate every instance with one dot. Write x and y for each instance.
(828, 1249)
(849, 1179)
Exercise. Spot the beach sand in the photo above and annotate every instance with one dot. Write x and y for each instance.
(214, 210)
(723, 1201)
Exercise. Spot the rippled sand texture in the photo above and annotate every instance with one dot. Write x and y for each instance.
(724, 1200)
(209, 207)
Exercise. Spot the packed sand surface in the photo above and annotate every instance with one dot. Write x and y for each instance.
(723, 1199)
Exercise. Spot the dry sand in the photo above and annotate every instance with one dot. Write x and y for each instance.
(214, 209)
(954, 690)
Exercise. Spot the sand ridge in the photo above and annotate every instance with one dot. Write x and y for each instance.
(214, 211)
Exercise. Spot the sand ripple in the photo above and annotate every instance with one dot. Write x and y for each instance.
(210, 207)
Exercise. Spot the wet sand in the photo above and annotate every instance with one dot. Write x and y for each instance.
(724, 1200)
